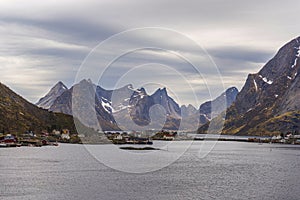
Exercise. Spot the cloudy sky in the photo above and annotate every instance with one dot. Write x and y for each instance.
(198, 47)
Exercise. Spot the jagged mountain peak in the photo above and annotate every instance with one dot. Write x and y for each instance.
(231, 94)
(189, 106)
(164, 89)
(188, 110)
(285, 62)
(161, 92)
(232, 90)
(210, 109)
(85, 82)
(129, 86)
(56, 91)
(60, 83)
(142, 90)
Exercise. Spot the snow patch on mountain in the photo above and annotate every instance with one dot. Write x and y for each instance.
(255, 84)
(297, 56)
(265, 79)
(295, 62)
(298, 52)
(106, 104)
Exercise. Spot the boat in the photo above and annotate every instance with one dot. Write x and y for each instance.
(8, 141)
(54, 144)
(3, 145)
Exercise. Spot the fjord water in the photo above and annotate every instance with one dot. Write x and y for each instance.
(232, 170)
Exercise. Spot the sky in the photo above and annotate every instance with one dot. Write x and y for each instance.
(194, 48)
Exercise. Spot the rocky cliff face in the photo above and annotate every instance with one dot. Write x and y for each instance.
(211, 109)
(87, 103)
(138, 110)
(162, 98)
(166, 112)
(268, 103)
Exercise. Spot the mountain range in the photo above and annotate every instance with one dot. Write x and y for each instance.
(127, 108)
(268, 104)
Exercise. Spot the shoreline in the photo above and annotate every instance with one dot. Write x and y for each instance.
(258, 140)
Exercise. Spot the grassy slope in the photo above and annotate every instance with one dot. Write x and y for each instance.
(18, 115)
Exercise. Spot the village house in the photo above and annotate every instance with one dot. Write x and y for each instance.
(44, 133)
(168, 137)
(56, 132)
(65, 134)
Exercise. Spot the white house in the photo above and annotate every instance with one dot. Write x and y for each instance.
(65, 134)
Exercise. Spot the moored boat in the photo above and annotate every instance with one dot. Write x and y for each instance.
(2, 145)
(8, 141)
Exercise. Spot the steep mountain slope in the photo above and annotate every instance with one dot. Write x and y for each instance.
(193, 118)
(211, 109)
(47, 101)
(18, 115)
(162, 98)
(268, 103)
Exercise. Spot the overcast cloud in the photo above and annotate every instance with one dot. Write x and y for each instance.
(43, 42)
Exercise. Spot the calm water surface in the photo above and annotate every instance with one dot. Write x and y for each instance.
(231, 171)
